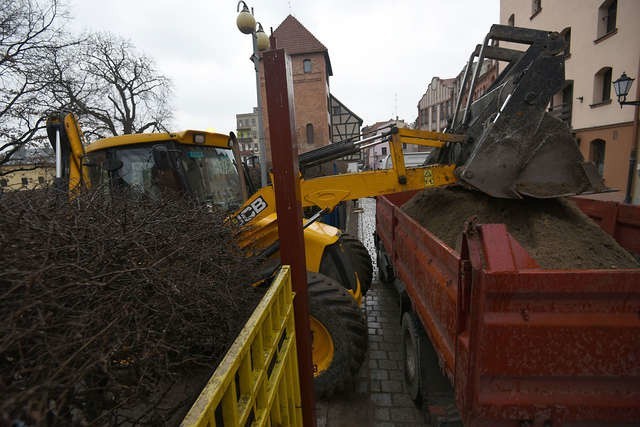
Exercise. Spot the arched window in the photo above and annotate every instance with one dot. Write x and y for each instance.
(512, 20)
(309, 133)
(602, 86)
(306, 65)
(596, 154)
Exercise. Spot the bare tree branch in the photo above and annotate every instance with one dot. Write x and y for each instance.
(112, 88)
(29, 30)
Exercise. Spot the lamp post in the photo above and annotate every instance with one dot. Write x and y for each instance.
(247, 24)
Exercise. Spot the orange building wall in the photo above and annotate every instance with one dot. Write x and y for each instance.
(619, 141)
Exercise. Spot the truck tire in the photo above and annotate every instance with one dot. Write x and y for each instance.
(426, 383)
(360, 259)
(411, 356)
(339, 334)
(385, 269)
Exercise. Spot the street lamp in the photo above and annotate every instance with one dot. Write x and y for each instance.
(247, 24)
(622, 87)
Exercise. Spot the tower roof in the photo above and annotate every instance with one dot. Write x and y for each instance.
(295, 39)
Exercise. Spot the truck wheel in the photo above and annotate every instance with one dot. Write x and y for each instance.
(411, 356)
(339, 334)
(360, 259)
(385, 269)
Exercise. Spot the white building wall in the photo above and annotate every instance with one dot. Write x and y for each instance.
(620, 51)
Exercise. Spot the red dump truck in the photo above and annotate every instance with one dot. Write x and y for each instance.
(490, 339)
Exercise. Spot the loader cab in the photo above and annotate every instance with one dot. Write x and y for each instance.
(199, 164)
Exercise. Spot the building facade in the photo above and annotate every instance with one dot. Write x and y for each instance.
(373, 157)
(247, 133)
(345, 124)
(603, 41)
(436, 104)
(18, 176)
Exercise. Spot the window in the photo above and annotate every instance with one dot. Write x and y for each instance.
(41, 180)
(596, 154)
(306, 65)
(607, 16)
(309, 133)
(566, 36)
(4, 182)
(602, 86)
(512, 20)
(434, 115)
(536, 6)
(567, 103)
(25, 182)
(384, 151)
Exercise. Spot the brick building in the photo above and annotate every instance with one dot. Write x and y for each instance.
(320, 118)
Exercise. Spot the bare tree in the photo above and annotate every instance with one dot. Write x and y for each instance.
(111, 87)
(29, 30)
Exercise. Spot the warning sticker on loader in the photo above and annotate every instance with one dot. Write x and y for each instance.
(428, 178)
(251, 211)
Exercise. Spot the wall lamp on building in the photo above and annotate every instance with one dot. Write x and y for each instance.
(622, 87)
(247, 24)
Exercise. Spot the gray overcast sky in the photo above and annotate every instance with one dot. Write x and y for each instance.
(378, 48)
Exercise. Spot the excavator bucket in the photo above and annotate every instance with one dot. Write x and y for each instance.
(515, 148)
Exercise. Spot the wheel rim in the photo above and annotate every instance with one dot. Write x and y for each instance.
(410, 358)
(322, 349)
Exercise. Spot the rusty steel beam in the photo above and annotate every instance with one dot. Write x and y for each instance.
(284, 154)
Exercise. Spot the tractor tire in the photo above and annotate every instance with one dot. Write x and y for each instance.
(360, 259)
(339, 334)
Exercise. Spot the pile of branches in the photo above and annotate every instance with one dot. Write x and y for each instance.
(115, 310)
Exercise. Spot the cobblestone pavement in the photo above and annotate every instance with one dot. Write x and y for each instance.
(378, 397)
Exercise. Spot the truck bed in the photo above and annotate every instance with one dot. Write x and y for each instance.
(517, 342)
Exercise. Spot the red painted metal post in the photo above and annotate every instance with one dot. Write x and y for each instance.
(280, 110)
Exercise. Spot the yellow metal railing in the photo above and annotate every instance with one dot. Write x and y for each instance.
(257, 381)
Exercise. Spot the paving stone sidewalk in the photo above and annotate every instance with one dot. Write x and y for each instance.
(378, 397)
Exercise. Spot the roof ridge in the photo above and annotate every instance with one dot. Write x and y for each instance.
(295, 38)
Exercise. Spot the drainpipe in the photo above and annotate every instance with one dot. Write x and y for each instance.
(633, 190)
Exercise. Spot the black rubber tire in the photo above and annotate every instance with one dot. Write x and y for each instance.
(331, 305)
(423, 377)
(360, 259)
(411, 357)
(385, 270)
